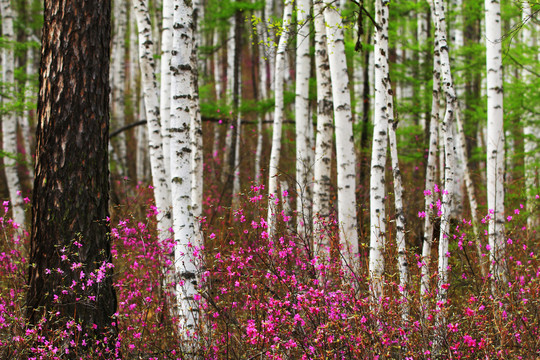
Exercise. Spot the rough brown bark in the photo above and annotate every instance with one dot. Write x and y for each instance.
(71, 188)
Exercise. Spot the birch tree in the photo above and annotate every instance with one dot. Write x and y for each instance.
(9, 119)
(151, 102)
(303, 134)
(196, 131)
(325, 130)
(403, 265)
(431, 173)
(378, 154)
(118, 75)
(181, 168)
(345, 153)
(29, 97)
(278, 116)
(495, 137)
(165, 88)
(530, 130)
(449, 164)
(263, 91)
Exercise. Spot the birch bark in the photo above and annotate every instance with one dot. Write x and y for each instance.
(403, 265)
(229, 134)
(530, 130)
(325, 130)
(378, 155)
(449, 163)
(9, 120)
(150, 93)
(345, 153)
(263, 92)
(118, 74)
(29, 97)
(278, 117)
(431, 173)
(495, 137)
(196, 134)
(218, 79)
(303, 139)
(181, 164)
(165, 86)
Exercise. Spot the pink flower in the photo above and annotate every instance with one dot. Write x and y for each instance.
(421, 214)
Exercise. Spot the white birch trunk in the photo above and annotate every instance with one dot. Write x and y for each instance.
(142, 145)
(449, 163)
(325, 130)
(118, 75)
(345, 153)
(181, 164)
(358, 77)
(441, 149)
(218, 78)
(29, 98)
(431, 174)
(238, 135)
(9, 120)
(303, 140)
(495, 138)
(469, 186)
(263, 93)
(196, 135)
(278, 118)
(378, 155)
(531, 131)
(422, 38)
(229, 134)
(165, 86)
(457, 42)
(133, 54)
(403, 265)
(150, 93)
(270, 41)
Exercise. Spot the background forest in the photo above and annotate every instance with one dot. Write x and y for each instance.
(288, 180)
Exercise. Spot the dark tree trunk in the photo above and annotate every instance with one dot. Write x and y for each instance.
(70, 230)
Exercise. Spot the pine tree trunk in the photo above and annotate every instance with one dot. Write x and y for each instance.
(151, 102)
(9, 119)
(273, 167)
(325, 130)
(345, 153)
(303, 140)
(495, 138)
(71, 190)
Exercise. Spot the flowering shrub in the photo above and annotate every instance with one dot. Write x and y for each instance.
(273, 298)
